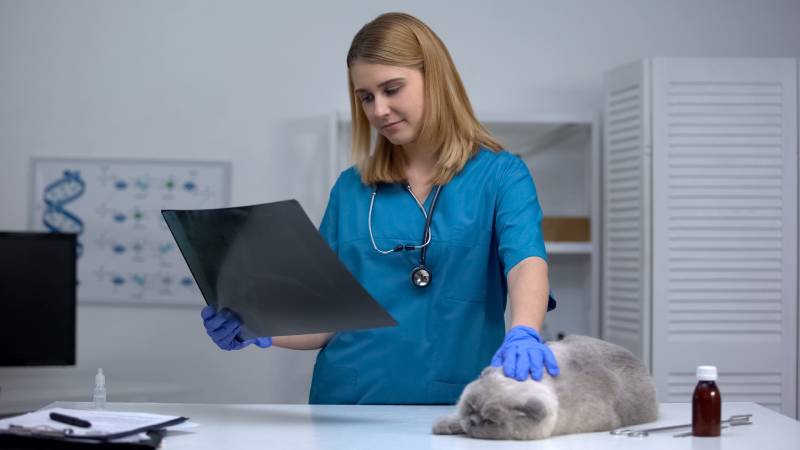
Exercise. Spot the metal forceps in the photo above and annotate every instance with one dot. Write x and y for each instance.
(39, 430)
(735, 420)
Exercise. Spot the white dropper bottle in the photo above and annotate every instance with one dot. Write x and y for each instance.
(99, 396)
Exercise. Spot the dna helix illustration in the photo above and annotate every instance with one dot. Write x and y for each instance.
(56, 195)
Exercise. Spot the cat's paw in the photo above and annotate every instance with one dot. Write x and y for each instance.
(448, 425)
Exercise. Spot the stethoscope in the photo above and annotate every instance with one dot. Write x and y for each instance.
(421, 274)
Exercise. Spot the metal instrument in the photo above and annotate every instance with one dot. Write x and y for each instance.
(735, 420)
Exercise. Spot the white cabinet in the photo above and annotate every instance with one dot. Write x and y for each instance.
(700, 223)
(562, 151)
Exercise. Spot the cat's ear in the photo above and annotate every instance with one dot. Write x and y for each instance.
(534, 409)
(448, 425)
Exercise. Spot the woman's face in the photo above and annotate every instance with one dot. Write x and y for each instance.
(391, 97)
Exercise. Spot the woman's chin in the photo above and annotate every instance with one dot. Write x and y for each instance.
(399, 139)
(396, 140)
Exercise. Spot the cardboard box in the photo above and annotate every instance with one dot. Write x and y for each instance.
(566, 229)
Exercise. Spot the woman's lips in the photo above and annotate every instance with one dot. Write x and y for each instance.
(392, 126)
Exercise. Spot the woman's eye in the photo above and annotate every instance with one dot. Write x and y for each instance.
(392, 91)
(366, 98)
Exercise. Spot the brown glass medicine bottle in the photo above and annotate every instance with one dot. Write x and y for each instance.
(706, 403)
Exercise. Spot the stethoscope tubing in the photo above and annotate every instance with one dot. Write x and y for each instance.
(426, 235)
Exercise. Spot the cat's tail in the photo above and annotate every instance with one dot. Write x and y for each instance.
(448, 425)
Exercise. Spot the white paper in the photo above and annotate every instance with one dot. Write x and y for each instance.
(103, 422)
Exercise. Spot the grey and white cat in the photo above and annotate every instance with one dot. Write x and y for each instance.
(601, 386)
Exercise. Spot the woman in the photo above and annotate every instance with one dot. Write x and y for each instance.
(437, 223)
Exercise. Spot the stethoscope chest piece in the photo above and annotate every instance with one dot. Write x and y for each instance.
(421, 276)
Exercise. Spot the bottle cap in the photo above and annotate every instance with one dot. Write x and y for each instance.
(707, 373)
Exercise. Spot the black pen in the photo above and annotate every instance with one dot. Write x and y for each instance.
(69, 420)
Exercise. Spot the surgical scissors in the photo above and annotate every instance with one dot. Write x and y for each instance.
(735, 420)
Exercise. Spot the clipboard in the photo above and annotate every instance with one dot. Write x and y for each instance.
(109, 429)
(268, 264)
(13, 441)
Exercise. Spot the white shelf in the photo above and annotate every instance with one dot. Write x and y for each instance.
(568, 248)
(526, 138)
(561, 150)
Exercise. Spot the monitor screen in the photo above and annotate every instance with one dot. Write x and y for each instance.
(37, 298)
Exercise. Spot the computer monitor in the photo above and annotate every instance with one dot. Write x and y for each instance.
(37, 298)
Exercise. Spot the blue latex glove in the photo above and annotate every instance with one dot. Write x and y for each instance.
(523, 353)
(227, 331)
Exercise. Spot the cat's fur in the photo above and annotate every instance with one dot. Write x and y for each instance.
(601, 386)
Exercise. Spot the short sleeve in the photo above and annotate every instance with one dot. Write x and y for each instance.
(518, 215)
(518, 218)
(329, 227)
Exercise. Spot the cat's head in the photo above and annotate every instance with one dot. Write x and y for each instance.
(497, 407)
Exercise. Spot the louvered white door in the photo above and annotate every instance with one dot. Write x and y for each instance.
(725, 227)
(626, 210)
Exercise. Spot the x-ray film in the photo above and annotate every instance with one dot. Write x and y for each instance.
(269, 265)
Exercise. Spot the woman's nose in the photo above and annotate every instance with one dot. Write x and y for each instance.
(380, 107)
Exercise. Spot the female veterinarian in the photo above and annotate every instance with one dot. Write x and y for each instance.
(438, 224)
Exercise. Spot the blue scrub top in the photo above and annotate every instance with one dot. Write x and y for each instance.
(486, 220)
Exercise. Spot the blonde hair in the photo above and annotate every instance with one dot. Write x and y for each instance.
(448, 122)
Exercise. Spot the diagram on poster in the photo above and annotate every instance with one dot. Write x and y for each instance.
(126, 254)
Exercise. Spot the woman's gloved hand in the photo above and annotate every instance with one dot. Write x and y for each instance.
(523, 353)
(227, 331)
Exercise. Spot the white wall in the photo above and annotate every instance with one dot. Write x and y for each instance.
(210, 80)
